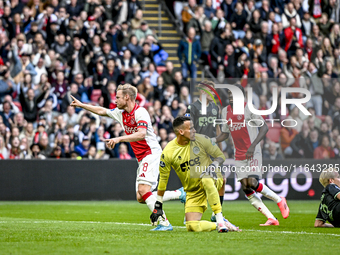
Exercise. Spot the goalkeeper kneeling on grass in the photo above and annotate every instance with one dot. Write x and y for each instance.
(329, 209)
(185, 154)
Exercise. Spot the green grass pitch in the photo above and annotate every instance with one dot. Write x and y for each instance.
(123, 228)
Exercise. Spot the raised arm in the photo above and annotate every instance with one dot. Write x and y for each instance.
(94, 109)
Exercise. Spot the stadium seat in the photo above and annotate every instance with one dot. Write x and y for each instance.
(161, 69)
(96, 94)
(274, 132)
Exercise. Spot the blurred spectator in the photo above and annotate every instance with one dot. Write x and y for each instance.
(83, 148)
(70, 116)
(217, 49)
(152, 74)
(145, 57)
(227, 65)
(289, 14)
(179, 82)
(166, 119)
(123, 35)
(35, 150)
(177, 109)
(133, 46)
(188, 12)
(7, 114)
(93, 154)
(159, 89)
(111, 73)
(146, 89)
(9, 99)
(3, 149)
(272, 153)
(67, 98)
(66, 146)
(287, 134)
(255, 22)
(238, 21)
(206, 39)
(302, 145)
(15, 151)
(294, 114)
(136, 22)
(307, 24)
(218, 22)
(324, 24)
(77, 60)
(184, 96)
(194, 22)
(57, 153)
(228, 7)
(168, 74)
(189, 58)
(324, 151)
(134, 77)
(169, 95)
(337, 147)
(209, 11)
(315, 86)
(143, 31)
(123, 151)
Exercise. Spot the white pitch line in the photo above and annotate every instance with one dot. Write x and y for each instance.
(291, 232)
(148, 225)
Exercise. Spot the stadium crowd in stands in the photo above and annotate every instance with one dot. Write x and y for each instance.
(56, 48)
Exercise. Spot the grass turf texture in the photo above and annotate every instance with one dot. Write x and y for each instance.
(123, 228)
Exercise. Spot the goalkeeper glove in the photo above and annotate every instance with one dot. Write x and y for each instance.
(211, 170)
(156, 213)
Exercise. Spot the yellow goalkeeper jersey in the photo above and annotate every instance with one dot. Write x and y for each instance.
(186, 161)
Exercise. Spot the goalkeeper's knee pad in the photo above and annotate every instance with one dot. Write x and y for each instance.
(193, 226)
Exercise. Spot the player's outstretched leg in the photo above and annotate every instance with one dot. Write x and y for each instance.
(178, 194)
(215, 204)
(256, 201)
(281, 201)
(249, 185)
(267, 192)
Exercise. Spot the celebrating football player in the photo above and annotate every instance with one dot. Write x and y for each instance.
(140, 134)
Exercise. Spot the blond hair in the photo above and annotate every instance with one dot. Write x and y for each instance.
(327, 174)
(128, 89)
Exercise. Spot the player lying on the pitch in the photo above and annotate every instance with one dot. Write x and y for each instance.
(329, 209)
(187, 151)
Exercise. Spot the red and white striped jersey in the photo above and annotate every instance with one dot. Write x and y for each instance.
(243, 130)
(137, 118)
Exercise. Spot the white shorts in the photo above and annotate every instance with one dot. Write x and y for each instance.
(148, 171)
(246, 168)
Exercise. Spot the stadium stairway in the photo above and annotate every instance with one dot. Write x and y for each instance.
(169, 37)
